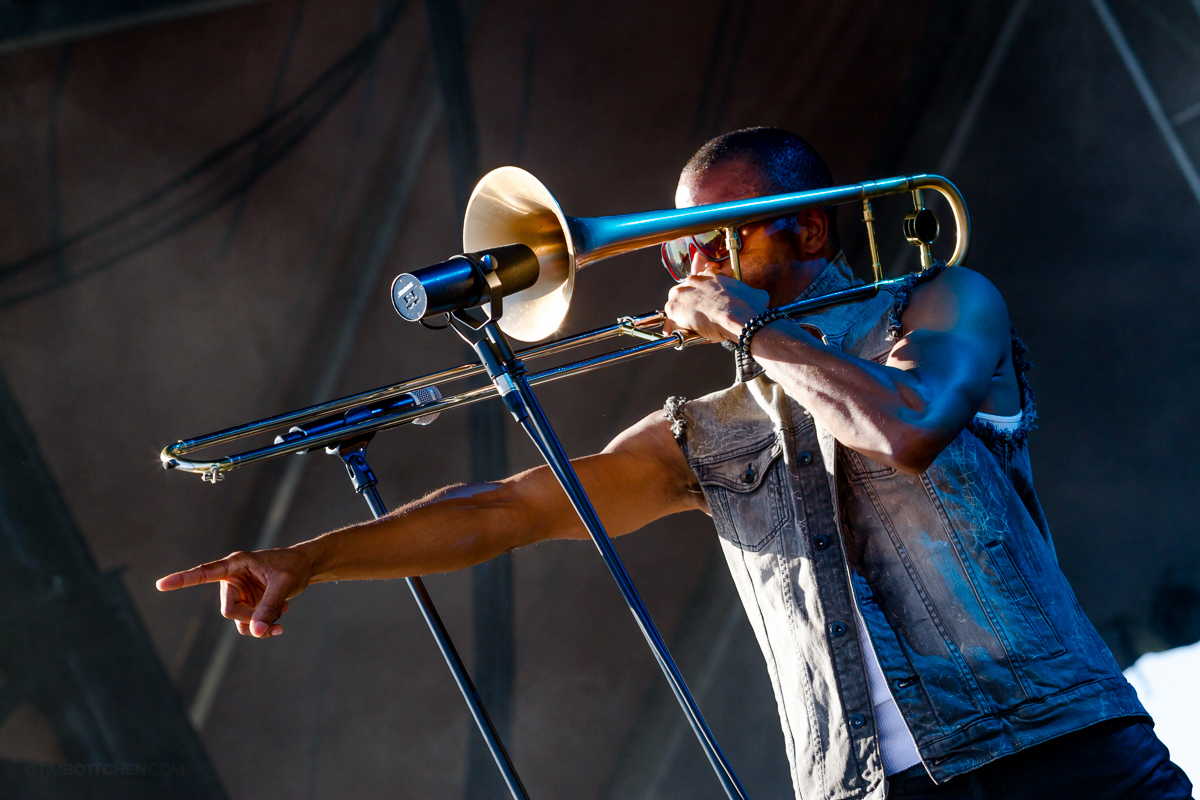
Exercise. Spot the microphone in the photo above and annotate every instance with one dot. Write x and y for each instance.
(414, 399)
(464, 281)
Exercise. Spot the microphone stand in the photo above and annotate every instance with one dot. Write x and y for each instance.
(507, 373)
(353, 453)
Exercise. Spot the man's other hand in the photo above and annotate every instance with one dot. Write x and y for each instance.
(641, 476)
(255, 587)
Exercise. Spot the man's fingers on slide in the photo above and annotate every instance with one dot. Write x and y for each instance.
(205, 573)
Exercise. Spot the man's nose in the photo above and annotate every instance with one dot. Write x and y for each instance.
(699, 262)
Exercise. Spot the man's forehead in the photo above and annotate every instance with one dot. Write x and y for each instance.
(735, 179)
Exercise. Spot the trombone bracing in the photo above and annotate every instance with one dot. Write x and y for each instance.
(509, 206)
(523, 253)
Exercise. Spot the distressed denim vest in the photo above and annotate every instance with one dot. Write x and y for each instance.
(984, 647)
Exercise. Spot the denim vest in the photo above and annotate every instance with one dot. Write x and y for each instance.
(982, 642)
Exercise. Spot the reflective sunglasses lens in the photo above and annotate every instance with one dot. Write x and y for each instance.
(712, 245)
(676, 257)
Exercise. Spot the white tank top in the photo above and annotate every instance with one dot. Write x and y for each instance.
(896, 744)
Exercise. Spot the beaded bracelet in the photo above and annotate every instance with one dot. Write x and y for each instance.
(752, 327)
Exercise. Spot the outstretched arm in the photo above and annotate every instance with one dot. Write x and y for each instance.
(641, 476)
(952, 358)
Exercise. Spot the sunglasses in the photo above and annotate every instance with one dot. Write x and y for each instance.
(677, 254)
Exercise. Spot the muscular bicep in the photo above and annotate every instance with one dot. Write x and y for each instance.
(640, 476)
(954, 341)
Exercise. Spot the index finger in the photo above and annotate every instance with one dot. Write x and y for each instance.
(211, 572)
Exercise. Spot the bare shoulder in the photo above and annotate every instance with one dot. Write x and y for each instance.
(957, 299)
(650, 445)
(649, 437)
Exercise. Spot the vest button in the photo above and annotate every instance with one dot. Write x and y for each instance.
(748, 475)
(821, 541)
(857, 721)
(837, 629)
(805, 458)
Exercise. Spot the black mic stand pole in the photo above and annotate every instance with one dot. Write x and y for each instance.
(353, 453)
(508, 374)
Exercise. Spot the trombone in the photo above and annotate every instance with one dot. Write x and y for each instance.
(519, 270)
(510, 206)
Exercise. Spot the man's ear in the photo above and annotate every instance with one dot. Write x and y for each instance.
(813, 233)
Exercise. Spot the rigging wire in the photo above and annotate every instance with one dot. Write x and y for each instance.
(217, 179)
(273, 97)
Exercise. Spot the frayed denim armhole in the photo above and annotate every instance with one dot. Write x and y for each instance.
(902, 292)
(992, 436)
(673, 412)
(986, 432)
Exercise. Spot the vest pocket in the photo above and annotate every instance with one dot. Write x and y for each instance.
(1032, 634)
(745, 493)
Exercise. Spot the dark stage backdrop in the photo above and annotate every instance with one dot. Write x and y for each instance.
(199, 221)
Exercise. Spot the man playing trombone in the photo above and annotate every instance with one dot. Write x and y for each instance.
(869, 479)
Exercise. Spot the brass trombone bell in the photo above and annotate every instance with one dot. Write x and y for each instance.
(509, 206)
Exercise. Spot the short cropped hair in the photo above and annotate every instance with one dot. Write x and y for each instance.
(784, 161)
